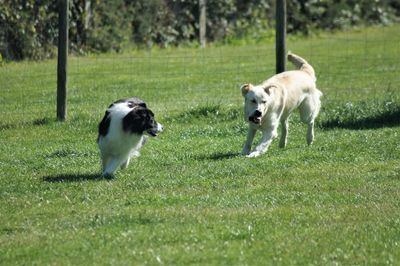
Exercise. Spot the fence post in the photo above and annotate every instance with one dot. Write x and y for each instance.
(62, 59)
(280, 35)
(202, 23)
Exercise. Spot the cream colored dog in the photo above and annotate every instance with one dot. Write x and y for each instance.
(274, 100)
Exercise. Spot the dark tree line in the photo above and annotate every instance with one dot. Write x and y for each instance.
(28, 28)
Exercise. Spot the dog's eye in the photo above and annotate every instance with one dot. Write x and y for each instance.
(264, 102)
(253, 101)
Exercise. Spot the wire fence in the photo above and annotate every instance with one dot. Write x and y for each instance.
(354, 65)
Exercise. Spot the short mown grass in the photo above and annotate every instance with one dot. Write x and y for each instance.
(190, 198)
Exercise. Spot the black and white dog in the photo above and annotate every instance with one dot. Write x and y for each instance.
(122, 132)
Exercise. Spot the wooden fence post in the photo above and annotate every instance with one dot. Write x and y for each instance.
(62, 59)
(280, 34)
(202, 23)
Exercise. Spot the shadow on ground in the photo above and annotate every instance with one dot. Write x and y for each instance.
(389, 119)
(74, 178)
(219, 156)
(19, 124)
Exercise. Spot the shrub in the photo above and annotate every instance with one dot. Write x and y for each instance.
(28, 28)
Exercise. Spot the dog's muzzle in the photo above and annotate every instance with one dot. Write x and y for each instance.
(154, 131)
(256, 117)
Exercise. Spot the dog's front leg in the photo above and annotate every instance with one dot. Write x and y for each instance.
(285, 129)
(266, 140)
(111, 167)
(125, 164)
(249, 141)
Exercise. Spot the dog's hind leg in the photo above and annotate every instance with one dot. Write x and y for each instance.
(285, 128)
(310, 129)
(249, 141)
(309, 110)
(310, 133)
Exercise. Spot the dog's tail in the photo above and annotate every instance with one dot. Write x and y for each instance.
(302, 64)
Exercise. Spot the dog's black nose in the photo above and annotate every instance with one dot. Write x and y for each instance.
(256, 117)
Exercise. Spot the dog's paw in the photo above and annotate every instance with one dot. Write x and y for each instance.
(108, 176)
(135, 154)
(245, 151)
(254, 154)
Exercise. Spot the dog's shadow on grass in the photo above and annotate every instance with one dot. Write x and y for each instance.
(376, 122)
(387, 118)
(74, 178)
(219, 156)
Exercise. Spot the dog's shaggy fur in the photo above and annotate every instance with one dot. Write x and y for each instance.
(275, 99)
(122, 132)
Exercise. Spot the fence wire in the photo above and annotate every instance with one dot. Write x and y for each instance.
(363, 64)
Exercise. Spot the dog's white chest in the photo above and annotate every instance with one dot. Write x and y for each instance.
(119, 142)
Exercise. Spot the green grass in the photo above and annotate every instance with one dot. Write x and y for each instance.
(189, 198)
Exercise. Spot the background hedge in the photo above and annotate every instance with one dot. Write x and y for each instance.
(28, 28)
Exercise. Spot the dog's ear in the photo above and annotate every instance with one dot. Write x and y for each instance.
(269, 89)
(132, 104)
(245, 88)
(134, 121)
(143, 105)
(105, 124)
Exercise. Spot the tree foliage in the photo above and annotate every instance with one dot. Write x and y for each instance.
(28, 28)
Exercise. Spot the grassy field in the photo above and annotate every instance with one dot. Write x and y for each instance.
(190, 198)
